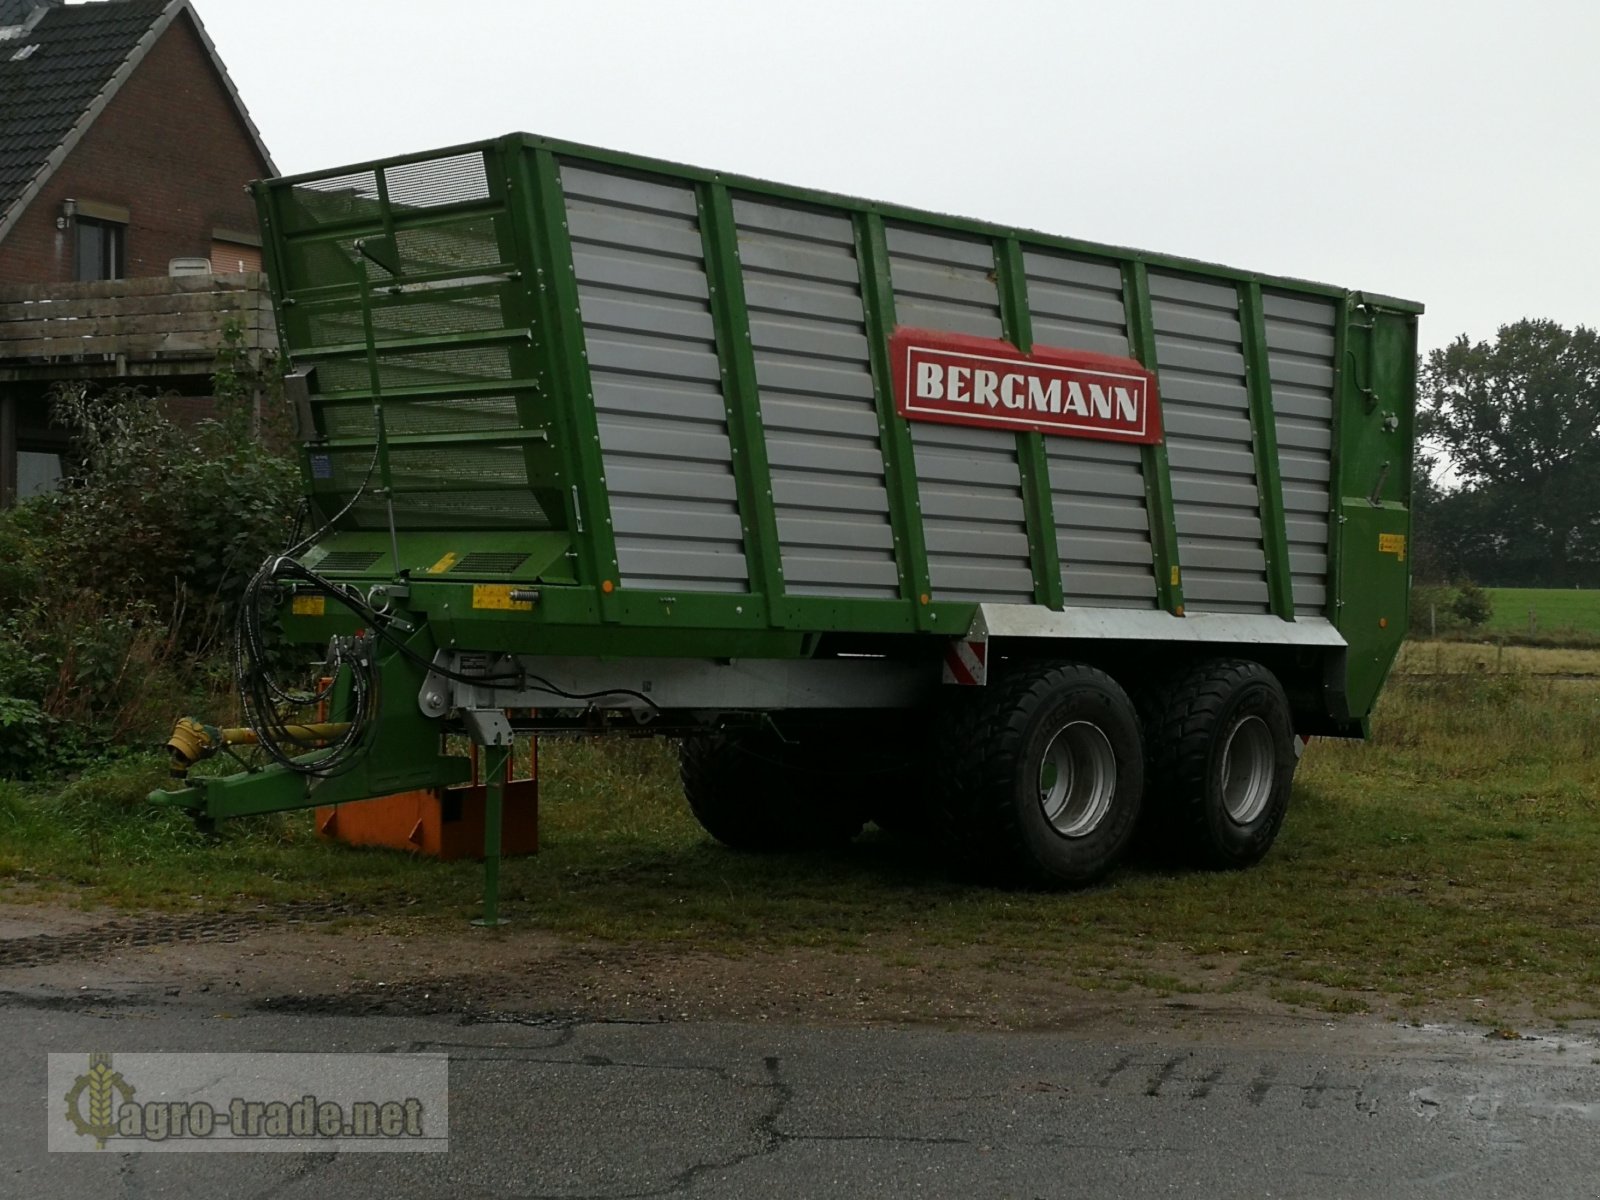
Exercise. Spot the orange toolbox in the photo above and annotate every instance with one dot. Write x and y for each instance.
(444, 823)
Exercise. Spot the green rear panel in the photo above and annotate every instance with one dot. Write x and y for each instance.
(598, 404)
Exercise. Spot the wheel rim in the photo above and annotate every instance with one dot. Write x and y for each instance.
(1077, 779)
(1248, 770)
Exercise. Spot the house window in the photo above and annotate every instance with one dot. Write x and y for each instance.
(38, 472)
(229, 258)
(100, 249)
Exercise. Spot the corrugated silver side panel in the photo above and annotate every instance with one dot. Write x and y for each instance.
(1206, 410)
(642, 288)
(807, 326)
(968, 479)
(1300, 340)
(1097, 488)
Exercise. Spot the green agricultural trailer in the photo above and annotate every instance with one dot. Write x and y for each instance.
(1015, 539)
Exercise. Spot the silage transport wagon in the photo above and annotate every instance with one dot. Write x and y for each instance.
(890, 516)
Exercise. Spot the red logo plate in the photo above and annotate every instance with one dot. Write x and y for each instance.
(963, 380)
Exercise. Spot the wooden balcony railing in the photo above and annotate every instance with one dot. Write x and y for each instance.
(138, 327)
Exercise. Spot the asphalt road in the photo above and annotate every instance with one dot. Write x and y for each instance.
(588, 1109)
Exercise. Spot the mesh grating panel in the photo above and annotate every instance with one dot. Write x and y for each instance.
(348, 561)
(419, 368)
(469, 414)
(426, 467)
(447, 247)
(337, 199)
(460, 179)
(486, 562)
(453, 510)
(416, 218)
(331, 326)
(476, 487)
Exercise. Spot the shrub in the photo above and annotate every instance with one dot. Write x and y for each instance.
(1436, 608)
(174, 518)
(118, 592)
(1472, 604)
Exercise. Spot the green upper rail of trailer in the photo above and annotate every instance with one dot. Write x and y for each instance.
(820, 197)
(348, 250)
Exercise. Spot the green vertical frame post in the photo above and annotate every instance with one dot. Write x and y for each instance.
(537, 178)
(899, 462)
(266, 200)
(495, 761)
(1032, 463)
(741, 395)
(1153, 458)
(1336, 458)
(1264, 440)
(521, 301)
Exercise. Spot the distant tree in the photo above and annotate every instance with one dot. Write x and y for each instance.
(1472, 604)
(1520, 419)
(1431, 557)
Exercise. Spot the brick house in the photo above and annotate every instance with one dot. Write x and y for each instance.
(123, 146)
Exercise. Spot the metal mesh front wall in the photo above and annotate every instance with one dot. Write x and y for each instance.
(423, 321)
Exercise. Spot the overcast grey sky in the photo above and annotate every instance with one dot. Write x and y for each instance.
(1442, 152)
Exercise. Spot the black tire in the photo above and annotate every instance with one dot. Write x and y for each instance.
(754, 791)
(1220, 739)
(1042, 775)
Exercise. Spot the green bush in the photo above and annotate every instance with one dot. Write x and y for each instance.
(118, 592)
(1472, 604)
(1442, 609)
(176, 518)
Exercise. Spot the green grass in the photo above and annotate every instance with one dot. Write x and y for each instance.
(1447, 862)
(1560, 611)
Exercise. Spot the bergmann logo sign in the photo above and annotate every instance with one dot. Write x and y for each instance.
(962, 380)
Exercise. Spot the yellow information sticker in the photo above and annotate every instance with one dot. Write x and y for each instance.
(1176, 576)
(498, 596)
(444, 564)
(1392, 543)
(309, 606)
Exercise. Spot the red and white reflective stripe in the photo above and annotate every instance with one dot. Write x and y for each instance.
(967, 663)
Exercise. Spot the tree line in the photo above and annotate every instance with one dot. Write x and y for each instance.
(1506, 484)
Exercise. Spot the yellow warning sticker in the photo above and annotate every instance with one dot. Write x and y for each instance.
(1175, 576)
(309, 606)
(498, 595)
(1392, 543)
(444, 564)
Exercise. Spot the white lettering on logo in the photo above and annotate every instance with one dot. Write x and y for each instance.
(1045, 396)
(958, 377)
(983, 385)
(1075, 401)
(1008, 391)
(1089, 399)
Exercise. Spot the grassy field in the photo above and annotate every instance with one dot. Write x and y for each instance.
(1497, 658)
(1446, 865)
(1559, 611)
